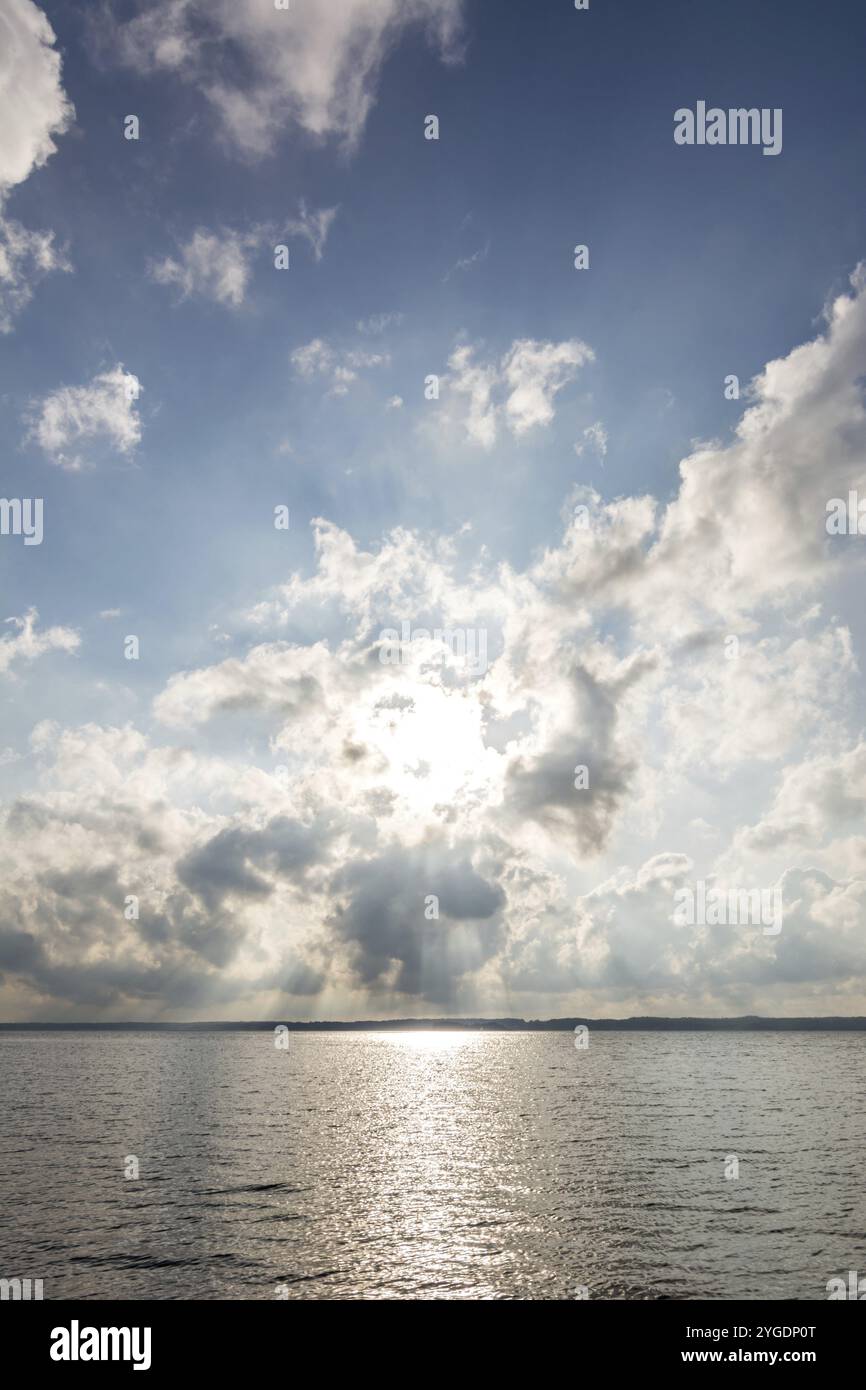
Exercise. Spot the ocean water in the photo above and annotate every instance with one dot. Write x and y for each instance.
(457, 1165)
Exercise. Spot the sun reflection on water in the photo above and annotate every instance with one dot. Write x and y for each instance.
(429, 1039)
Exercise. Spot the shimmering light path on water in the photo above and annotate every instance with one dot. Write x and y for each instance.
(432, 1165)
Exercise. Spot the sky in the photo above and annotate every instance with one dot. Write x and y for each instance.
(414, 614)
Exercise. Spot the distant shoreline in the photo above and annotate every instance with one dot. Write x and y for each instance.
(747, 1024)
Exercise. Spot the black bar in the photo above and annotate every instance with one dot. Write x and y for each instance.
(652, 1338)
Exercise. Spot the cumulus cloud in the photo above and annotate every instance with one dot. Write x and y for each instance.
(34, 110)
(226, 864)
(759, 700)
(748, 522)
(747, 525)
(544, 780)
(115, 821)
(317, 64)
(519, 391)
(534, 373)
(359, 777)
(273, 677)
(102, 412)
(380, 913)
(628, 945)
(817, 797)
(477, 383)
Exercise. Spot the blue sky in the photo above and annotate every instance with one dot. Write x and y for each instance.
(556, 128)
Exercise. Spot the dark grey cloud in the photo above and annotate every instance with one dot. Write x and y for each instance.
(381, 917)
(232, 861)
(542, 786)
(64, 933)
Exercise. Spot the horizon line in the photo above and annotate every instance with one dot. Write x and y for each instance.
(502, 1023)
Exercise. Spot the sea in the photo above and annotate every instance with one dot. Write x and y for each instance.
(432, 1164)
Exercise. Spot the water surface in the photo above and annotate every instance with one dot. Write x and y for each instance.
(465, 1165)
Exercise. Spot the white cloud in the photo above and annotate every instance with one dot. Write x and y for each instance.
(748, 522)
(25, 258)
(33, 105)
(28, 642)
(34, 110)
(314, 357)
(596, 436)
(317, 64)
(819, 797)
(103, 411)
(628, 947)
(379, 323)
(218, 265)
(211, 264)
(747, 525)
(534, 373)
(299, 873)
(759, 706)
(467, 262)
(342, 365)
(519, 391)
(477, 384)
(313, 226)
(275, 676)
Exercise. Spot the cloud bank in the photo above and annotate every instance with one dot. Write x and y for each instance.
(663, 700)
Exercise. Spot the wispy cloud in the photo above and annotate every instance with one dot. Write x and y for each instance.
(214, 265)
(596, 438)
(219, 265)
(377, 324)
(102, 412)
(28, 642)
(25, 258)
(467, 262)
(317, 64)
(341, 366)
